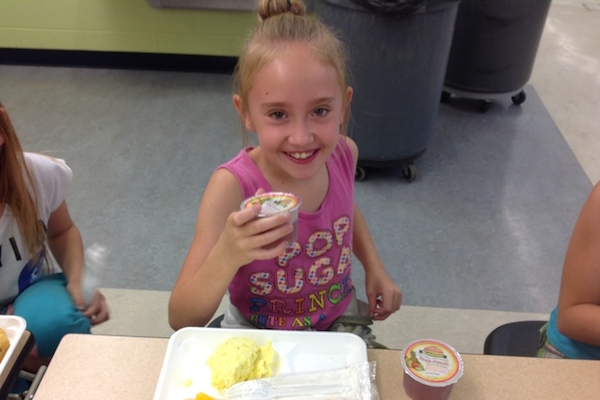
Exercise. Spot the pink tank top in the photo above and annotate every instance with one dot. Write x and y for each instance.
(309, 285)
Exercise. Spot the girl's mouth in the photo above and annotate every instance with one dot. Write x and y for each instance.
(301, 155)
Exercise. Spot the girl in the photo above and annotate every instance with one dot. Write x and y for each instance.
(34, 219)
(574, 327)
(292, 92)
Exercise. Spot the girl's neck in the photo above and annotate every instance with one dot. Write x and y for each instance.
(312, 191)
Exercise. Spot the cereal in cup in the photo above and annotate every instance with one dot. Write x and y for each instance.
(431, 368)
(273, 203)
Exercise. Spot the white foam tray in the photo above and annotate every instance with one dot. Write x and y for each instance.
(14, 327)
(184, 372)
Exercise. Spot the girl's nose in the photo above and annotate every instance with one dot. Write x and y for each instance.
(300, 134)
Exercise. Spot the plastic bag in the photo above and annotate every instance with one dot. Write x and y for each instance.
(356, 382)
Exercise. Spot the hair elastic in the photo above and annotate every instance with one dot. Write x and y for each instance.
(289, 4)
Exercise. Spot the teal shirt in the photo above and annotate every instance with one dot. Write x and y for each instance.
(569, 347)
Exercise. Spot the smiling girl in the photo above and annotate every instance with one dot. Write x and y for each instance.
(291, 92)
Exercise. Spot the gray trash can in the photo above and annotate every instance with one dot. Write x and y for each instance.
(494, 48)
(398, 55)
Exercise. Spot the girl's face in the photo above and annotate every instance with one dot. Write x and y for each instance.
(295, 106)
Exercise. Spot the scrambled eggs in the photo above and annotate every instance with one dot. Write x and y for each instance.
(240, 359)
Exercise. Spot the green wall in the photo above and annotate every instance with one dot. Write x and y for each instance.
(122, 26)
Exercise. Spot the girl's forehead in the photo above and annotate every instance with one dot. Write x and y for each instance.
(295, 66)
(297, 50)
(299, 59)
(295, 70)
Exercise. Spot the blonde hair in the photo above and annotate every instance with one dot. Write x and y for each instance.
(282, 22)
(17, 189)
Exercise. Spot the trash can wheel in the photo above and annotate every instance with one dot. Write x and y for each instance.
(445, 96)
(485, 105)
(360, 174)
(409, 171)
(519, 97)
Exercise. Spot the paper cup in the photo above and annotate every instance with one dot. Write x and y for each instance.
(431, 368)
(273, 203)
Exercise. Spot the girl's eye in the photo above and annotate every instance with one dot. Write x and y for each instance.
(277, 114)
(320, 112)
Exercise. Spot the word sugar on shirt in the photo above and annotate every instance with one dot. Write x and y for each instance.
(311, 278)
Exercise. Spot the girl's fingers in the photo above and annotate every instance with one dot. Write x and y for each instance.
(242, 217)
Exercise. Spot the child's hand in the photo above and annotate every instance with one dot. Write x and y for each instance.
(96, 311)
(383, 295)
(248, 238)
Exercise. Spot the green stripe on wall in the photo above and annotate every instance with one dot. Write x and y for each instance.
(121, 26)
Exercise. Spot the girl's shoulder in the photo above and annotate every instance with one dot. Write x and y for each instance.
(595, 193)
(46, 165)
(348, 148)
(246, 174)
(592, 204)
(52, 178)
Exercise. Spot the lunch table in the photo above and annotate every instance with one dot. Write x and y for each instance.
(10, 373)
(124, 367)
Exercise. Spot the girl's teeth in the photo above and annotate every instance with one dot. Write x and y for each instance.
(301, 156)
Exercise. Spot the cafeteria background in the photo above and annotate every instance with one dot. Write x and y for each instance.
(477, 240)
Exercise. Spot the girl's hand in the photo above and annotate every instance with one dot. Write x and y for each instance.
(247, 238)
(96, 311)
(383, 295)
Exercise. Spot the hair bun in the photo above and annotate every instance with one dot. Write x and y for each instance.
(271, 8)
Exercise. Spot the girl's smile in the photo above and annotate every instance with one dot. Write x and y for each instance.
(303, 157)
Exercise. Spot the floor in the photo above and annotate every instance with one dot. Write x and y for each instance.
(483, 287)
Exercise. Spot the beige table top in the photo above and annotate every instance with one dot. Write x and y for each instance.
(120, 367)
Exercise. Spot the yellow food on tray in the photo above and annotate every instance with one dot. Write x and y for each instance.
(4, 343)
(204, 396)
(240, 359)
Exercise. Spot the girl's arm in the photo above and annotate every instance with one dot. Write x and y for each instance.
(64, 241)
(383, 294)
(226, 238)
(579, 298)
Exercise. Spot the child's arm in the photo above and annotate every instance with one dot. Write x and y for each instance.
(579, 299)
(64, 241)
(383, 294)
(226, 239)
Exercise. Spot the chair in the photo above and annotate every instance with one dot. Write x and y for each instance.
(216, 323)
(33, 381)
(514, 339)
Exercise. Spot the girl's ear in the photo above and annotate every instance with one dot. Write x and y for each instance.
(237, 102)
(349, 93)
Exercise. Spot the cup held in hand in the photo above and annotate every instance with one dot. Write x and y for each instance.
(273, 203)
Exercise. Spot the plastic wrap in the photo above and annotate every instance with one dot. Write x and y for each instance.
(356, 382)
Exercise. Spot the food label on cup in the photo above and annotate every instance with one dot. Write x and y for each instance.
(432, 362)
(273, 202)
(273, 206)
